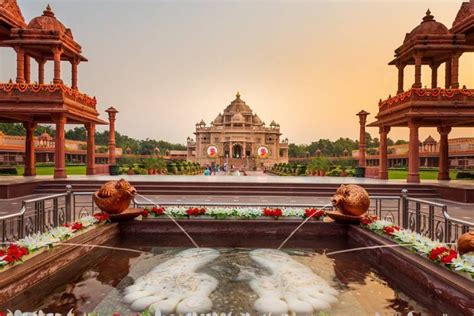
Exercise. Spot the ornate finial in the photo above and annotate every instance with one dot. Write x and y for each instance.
(48, 11)
(428, 16)
(238, 94)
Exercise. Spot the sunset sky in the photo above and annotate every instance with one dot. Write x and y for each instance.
(308, 65)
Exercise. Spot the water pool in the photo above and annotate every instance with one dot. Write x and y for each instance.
(245, 282)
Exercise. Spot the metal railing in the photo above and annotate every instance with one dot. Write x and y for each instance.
(428, 218)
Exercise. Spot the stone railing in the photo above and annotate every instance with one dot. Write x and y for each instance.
(428, 95)
(33, 89)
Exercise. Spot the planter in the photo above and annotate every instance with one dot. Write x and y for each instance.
(114, 170)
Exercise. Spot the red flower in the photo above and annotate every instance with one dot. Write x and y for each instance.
(443, 254)
(312, 212)
(389, 230)
(158, 210)
(368, 219)
(102, 217)
(275, 213)
(195, 211)
(13, 253)
(145, 213)
(77, 226)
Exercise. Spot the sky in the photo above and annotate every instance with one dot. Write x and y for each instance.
(308, 65)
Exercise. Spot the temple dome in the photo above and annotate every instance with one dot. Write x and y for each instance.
(429, 26)
(48, 22)
(238, 105)
(238, 118)
(257, 120)
(430, 140)
(218, 119)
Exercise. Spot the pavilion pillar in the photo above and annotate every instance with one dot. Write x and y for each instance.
(447, 78)
(401, 75)
(443, 171)
(41, 64)
(20, 65)
(383, 166)
(74, 65)
(413, 154)
(418, 61)
(112, 112)
(90, 127)
(455, 71)
(60, 148)
(434, 75)
(57, 66)
(27, 69)
(362, 145)
(30, 159)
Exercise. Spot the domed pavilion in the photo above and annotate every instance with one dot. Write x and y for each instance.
(31, 101)
(430, 44)
(238, 137)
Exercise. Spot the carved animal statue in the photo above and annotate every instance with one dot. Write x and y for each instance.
(114, 197)
(466, 243)
(351, 200)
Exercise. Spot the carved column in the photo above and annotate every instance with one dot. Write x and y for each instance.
(418, 61)
(30, 159)
(401, 75)
(362, 145)
(413, 154)
(90, 127)
(74, 64)
(57, 65)
(20, 65)
(443, 171)
(434, 75)
(27, 69)
(447, 78)
(455, 71)
(60, 148)
(41, 63)
(383, 166)
(112, 112)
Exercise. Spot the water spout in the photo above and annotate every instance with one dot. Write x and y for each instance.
(299, 226)
(174, 221)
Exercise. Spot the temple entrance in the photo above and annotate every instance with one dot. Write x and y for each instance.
(237, 151)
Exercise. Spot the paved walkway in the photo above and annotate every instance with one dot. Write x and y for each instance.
(253, 177)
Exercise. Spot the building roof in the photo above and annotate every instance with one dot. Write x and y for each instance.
(237, 106)
(430, 140)
(48, 22)
(428, 26)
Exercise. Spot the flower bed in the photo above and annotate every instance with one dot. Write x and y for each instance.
(231, 212)
(17, 251)
(434, 251)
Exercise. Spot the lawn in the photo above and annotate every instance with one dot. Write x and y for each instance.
(427, 174)
(49, 170)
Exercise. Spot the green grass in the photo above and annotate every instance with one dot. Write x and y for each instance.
(49, 170)
(430, 174)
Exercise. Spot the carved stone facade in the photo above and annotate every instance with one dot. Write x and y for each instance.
(238, 137)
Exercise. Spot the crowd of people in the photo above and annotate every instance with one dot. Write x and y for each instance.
(224, 170)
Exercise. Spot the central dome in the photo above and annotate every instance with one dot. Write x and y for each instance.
(238, 105)
(48, 22)
(429, 26)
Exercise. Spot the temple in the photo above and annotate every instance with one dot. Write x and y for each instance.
(238, 137)
(429, 44)
(31, 101)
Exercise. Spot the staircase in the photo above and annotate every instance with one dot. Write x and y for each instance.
(238, 189)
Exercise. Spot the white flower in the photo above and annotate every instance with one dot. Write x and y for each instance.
(88, 220)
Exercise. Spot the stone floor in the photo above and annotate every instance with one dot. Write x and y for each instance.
(253, 177)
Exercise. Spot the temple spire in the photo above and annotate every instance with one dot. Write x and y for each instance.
(238, 94)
